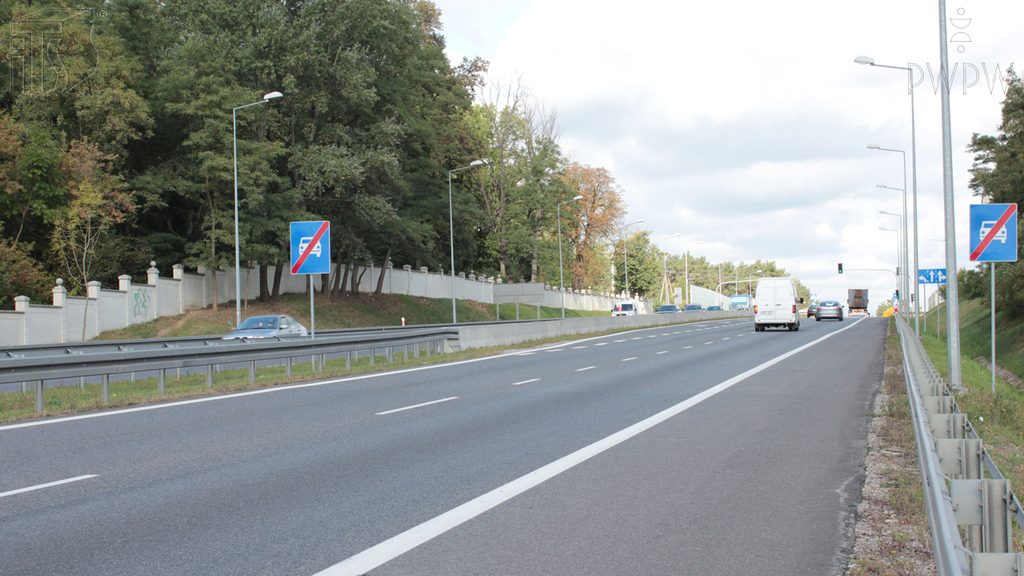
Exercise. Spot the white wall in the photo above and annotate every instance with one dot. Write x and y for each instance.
(102, 310)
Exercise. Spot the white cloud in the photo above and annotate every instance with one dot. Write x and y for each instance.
(744, 125)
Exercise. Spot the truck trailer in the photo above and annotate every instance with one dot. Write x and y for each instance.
(857, 302)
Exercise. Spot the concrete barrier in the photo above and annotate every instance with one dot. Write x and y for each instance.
(482, 336)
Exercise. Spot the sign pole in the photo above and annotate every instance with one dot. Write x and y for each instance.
(312, 310)
(993, 264)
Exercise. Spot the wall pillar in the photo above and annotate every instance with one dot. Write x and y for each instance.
(60, 297)
(153, 279)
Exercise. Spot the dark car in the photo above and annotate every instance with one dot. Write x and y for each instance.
(710, 308)
(829, 309)
(693, 308)
(811, 309)
(270, 326)
(667, 309)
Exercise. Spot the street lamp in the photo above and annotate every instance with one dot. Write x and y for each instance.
(898, 248)
(906, 229)
(451, 228)
(625, 251)
(913, 170)
(234, 139)
(664, 268)
(558, 211)
(687, 273)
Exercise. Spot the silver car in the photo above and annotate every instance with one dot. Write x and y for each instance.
(270, 326)
(829, 309)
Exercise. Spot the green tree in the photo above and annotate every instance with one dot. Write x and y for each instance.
(997, 176)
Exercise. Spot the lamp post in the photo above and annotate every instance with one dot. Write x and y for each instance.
(901, 256)
(561, 285)
(687, 274)
(664, 268)
(913, 171)
(451, 228)
(898, 250)
(625, 250)
(234, 141)
(906, 229)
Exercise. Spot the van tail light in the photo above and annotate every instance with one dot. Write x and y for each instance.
(794, 308)
(755, 308)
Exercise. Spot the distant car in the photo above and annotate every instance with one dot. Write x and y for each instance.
(269, 326)
(693, 308)
(811, 309)
(626, 309)
(829, 309)
(667, 309)
(710, 308)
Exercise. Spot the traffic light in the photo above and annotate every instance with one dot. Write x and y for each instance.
(897, 270)
(840, 267)
(897, 294)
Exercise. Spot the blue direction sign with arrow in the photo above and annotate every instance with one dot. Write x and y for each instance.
(311, 247)
(932, 276)
(993, 233)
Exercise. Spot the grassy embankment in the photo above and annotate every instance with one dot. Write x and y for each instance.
(999, 417)
(345, 312)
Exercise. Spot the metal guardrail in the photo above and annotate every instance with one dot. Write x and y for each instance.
(94, 346)
(983, 506)
(210, 354)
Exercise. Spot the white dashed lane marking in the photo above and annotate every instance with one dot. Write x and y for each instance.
(527, 381)
(585, 369)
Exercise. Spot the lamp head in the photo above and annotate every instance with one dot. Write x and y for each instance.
(272, 95)
(577, 198)
(864, 60)
(477, 162)
(874, 147)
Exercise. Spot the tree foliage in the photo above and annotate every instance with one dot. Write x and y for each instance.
(997, 176)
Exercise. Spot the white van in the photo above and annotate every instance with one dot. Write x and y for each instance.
(628, 308)
(776, 304)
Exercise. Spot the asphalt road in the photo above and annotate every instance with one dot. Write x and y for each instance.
(698, 449)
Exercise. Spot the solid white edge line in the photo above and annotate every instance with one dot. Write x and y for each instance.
(47, 485)
(394, 547)
(416, 406)
(527, 381)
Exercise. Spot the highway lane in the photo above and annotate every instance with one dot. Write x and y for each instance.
(294, 480)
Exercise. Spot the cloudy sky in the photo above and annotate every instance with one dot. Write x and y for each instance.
(744, 125)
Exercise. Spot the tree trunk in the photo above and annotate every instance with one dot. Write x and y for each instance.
(380, 279)
(325, 283)
(278, 276)
(264, 285)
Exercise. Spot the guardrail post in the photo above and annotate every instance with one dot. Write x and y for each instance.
(938, 404)
(416, 350)
(373, 356)
(40, 405)
(323, 362)
(288, 366)
(983, 504)
(209, 375)
(948, 426)
(960, 459)
(162, 382)
(390, 353)
(348, 360)
(252, 369)
(105, 388)
(997, 564)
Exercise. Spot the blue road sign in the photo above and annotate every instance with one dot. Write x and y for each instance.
(993, 233)
(311, 247)
(932, 276)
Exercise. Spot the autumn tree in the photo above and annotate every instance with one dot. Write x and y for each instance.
(98, 201)
(597, 216)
